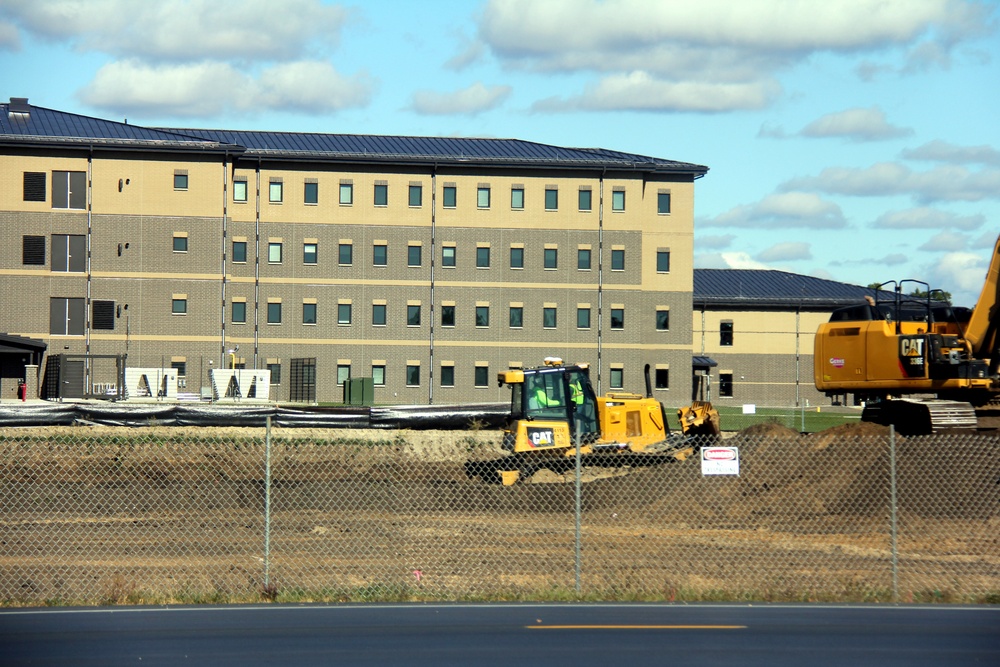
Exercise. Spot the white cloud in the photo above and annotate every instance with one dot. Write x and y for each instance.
(944, 183)
(10, 40)
(942, 151)
(472, 100)
(789, 210)
(714, 242)
(927, 218)
(727, 260)
(856, 125)
(961, 273)
(784, 252)
(946, 241)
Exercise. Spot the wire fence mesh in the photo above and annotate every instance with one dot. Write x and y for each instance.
(171, 514)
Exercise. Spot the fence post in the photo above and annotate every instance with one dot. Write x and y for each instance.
(267, 504)
(576, 439)
(892, 513)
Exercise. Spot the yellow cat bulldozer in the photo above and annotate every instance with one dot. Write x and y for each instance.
(554, 410)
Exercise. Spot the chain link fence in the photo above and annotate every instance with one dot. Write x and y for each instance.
(156, 515)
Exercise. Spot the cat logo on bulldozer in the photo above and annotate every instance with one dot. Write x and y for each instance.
(541, 437)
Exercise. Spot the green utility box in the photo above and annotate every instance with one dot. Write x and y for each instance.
(359, 391)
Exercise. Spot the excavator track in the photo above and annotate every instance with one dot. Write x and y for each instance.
(921, 416)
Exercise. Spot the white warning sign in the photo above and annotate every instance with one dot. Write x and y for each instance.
(720, 460)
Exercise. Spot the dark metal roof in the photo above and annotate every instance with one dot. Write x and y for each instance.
(9, 343)
(703, 362)
(750, 288)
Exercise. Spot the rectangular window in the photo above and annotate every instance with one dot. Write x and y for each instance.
(240, 252)
(69, 189)
(447, 376)
(483, 258)
(239, 311)
(378, 375)
(381, 194)
(310, 253)
(34, 186)
(412, 375)
(482, 316)
(449, 196)
(380, 254)
(274, 253)
(482, 376)
(69, 253)
(179, 306)
(239, 191)
(586, 200)
(618, 200)
(345, 254)
(343, 374)
(275, 370)
(662, 320)
(663, 203)
(726, 333)
(726, 384)
(583, 318)
(413, 316)
(33, 250)
(180, 181)
(662, 261)
(618, 318)
(378, 314)
(551, 199)
(414, 255)
(276, 192)
(516, 317)
(448, 255)
(346, 194)
(517, 198)
(180, 244)
(517, 258)
(343, 314)
(617, 378)
(617, 260)
(551, 258)
(483, 197)
(447, 316)
(103, 315)
(583, 259)
(274, 312)
(416, 197)
(309, 313)
(66, 316)
(662, 378)
(310, 193)
(549, 317)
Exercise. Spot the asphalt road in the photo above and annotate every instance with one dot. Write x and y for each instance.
(620, 635)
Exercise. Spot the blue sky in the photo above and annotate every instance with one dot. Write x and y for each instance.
(855, 140)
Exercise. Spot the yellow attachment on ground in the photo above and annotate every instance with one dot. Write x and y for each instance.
(509, 477)
(699, 418)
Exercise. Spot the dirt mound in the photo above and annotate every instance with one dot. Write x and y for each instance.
(768, 430)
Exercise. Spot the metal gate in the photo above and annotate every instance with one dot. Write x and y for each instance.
(303, 380)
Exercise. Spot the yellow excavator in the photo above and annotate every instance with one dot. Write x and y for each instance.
(554, 409)
(918, 363)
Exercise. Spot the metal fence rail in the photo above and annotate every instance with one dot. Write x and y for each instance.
(158, 515)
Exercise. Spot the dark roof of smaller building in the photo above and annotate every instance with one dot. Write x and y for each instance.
(759, 288)
(11, 344)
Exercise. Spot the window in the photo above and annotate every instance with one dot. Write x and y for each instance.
(239, 191)
(378, 314)
(412, 375)
(583, 259)
(586, 200)
(516, 317)
(378, 375)
(449, 196)
(583, 318)
(66, 316)
(180, 181)
(343, 374)
(346, 194)
(69, 253)
(517, 258)
(274, 312)
(662, 320)
(380, 254)
(617, 260)
(726, 384)
(103, 315)
(309, 313)
(275, 370)
(274, 252)
(618, 200)
(179, 306)
(239, 312)
(413, 315)
(240, 251)
(33, 250)
(447, 376)
(517, 198)
(414, 255)
(180, 244)
(276, 192)
(310, 253)
(69, 189)
(726, 333)
(482, 316)
(343, 314)
(448, 255)
(662, 378)
(381, 194)
(483, 258)
(311, 193)
(551, 199)
(483, 197)
(549, 317)
(34, 186)
(482, 376)
(345, 254)
(416, 195)
(663, 203)
(551, 258)
(662, 261)
(618, 318)
(617, 380)
(447, 316)
(181, 368)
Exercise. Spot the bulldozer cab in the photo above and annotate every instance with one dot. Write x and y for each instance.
(555, 393)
